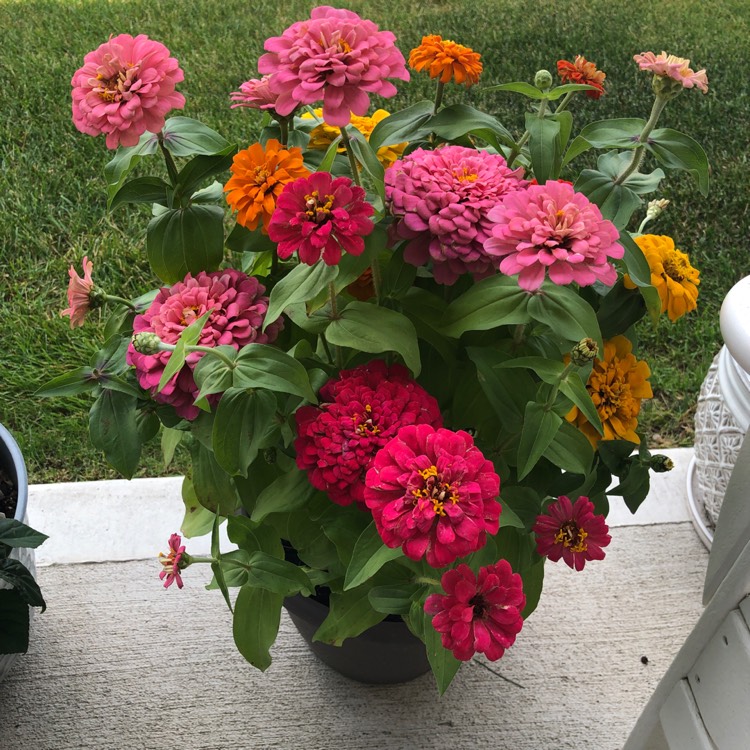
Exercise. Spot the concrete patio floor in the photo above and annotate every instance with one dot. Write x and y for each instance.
(118, 662)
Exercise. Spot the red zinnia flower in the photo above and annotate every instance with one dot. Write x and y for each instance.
(478, 613)
(582, 71)
(360, 412)
(434, 494)
(572, 532)
(173, 563)
(321, 215)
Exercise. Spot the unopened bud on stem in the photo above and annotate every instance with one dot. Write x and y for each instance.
(543, 79)
(146, 342)
(583, 352)
(660, 463)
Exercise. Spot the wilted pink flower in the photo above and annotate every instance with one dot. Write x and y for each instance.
(553, 229)
(319, 215)
(440, 200)
(676, 68)
(478, 614)
(573, 532)
(359, 412)
(173, 562)
(238, 309)
(125, 88)
(433, 493)
(255, 93)
(79, 293)
(335, 56)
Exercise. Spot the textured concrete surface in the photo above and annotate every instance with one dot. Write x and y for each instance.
(118, 663)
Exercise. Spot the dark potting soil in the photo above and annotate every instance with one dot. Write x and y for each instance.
(8, 495)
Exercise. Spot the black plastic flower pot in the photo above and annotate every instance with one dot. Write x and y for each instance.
(13, 466)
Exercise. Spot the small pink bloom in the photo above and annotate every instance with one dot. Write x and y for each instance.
(441, 199)
(671, 66)
(125, 88)
(434, 494)
(335, 56)
(238, 309)
(359, 412)
(321, 216)
(255, 93)
(478, 614)
(572, 532)
(173, 563)
(79, 294)
(553, 229)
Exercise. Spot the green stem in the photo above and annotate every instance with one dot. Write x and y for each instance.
(556, 388)
(284, 130)
(526, 135)
(190, 560)
(376, 278)
(518, 334)
(640, 150)
(332, 297)
(352, 159)
(215, 352)
(438, 96)
(171, 166)
(564, 103)
(121, 301)
(326, 348)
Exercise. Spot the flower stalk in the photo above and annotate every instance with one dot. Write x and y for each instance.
(640, 150)
(352, 159)
(168, 160)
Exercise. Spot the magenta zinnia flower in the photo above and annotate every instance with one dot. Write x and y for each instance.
(238, 311)
(255, 93)
(79, 293)
(478, 613)
(434, 494)
(671, 66)
(360, 411)
(173, 563)
(440, 200)
(335, 56)
(125, 88)
(319, 215)
(572, 532)
(552, 228)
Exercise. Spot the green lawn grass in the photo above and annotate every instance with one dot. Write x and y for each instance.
(52, 202)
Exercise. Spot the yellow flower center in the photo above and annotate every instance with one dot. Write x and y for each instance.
(363, 423)
(435, 491)
(466, 176)
(317, 211)
(676, 266)
(189, 315)
(260, 176)
(572, 536)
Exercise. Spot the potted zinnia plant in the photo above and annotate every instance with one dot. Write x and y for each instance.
(408, 375)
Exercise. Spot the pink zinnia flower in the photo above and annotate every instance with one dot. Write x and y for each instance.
(173, 563)
(79, 293)
(478, 613)
(434, 494)
(255, 93)
(676, 68)
(335, 56)
(552, 228)
(125, 88)
(238, 311)
(440, 200)
(573, 532)
(360, 411)
(319, 215)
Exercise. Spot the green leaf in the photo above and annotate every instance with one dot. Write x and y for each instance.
(188, 337)
(243, 240)
(125, 159)
(70, 383)
(458, 120)
(614, 163)
(263, 366)
(257, 615)
(114, 431)
(640, 274)
(281, 577)
(369, 328)
(368, 557)
(444, 665)
(548, 370)
(14, 624)
(539, 429)
(620, 133)
(619, 309)
(197, 520)
(17, 534)
(350, 615)
(15, 573)
(199, 169)
(215, 375)
(565, 312)
(617, 202)
(633, 487)
(368, 158)
(213, 486)
(241, 428)
(300, 285)
(186, 137)
(290, 491)
(533, 582)
(519, 87)
(142, 190)
(232, 570)
(560, 91)
(510, 518)
(396, 599)
(487, 304)
(182, 240)
(216, 566)
(570, 450)
(247, 535)
(544, 145)
(575, 389)
(402, 126)
(327, 161)
(675, 150)
(398, 276)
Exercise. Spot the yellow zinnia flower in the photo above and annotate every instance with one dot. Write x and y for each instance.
(617, 384)
(671, 273)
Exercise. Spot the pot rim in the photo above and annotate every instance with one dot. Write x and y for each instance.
(12, 458)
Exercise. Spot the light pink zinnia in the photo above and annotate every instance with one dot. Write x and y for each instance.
(552, 228)
(671, 66)
(173, 563)
(335, 56)
(79, 293)
(571, 531)
(478, 613)
(125, 88)
(441, 200)
(321, 216)
(434, 494)
(238, 309)
(255, 93)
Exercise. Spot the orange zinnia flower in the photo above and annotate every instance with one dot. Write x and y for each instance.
(582, 71)
(617, 384)
(446, 60)
(258, 177)
(671, 273)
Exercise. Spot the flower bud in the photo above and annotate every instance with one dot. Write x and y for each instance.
(656, 208)
(583, 352)
(660, 463)
(146, 342)
(543, 79)
(666, 87)
(97, 298)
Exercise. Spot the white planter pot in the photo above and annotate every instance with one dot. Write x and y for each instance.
(723, 414)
